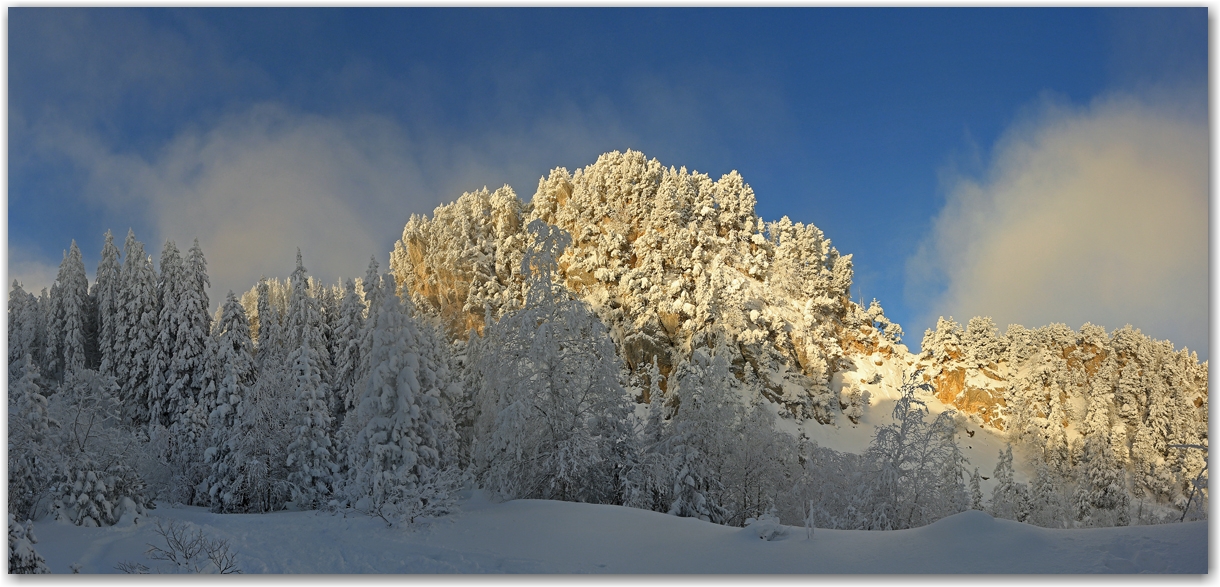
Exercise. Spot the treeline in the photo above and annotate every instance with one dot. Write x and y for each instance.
(1109, 419)
(347, 397)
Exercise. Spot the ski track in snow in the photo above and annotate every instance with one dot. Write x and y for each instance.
(535, 536)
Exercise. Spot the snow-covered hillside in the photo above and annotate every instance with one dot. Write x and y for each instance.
(538, 536)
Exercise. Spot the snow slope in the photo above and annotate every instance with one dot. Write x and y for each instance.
(533, 536)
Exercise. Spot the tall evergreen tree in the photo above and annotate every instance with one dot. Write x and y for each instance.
(310, 457)
(976, 494)
(228, 479)
(305, 323)
(170, 282)
(193, 383)
(699, 434)
(23, 330)
(136, 333)
(67, 332)
(1101, 495)
(107, 293)
(397, 451)
(1005, 496)
(347, 335)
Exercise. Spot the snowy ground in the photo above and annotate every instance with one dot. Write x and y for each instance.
(532, 536)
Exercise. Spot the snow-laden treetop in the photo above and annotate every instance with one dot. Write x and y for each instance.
(669, 259)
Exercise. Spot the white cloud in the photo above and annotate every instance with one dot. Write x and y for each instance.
(261, 183)
(31, 272)
(1097, 214)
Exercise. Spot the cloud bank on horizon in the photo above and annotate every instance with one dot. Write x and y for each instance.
(1096, 214)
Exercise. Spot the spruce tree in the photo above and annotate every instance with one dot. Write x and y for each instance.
(396, 455)
(976, 494)
(107, 292)
(67, 331)
(235, 366)
(347, 357)
(1005, 495)
(310, 459)
(137, 333)
(170, 282)
(23, 326)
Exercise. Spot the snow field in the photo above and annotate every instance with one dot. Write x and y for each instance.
(539, 536)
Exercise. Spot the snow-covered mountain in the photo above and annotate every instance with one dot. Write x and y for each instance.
(670, 259)
(666, 258)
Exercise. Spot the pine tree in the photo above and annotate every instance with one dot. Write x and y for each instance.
(235, 365)
(170, 281)
(372, 287)
(107, 291)
(304, 323)
(23, 330)
(271, 349)
(699, 435)
(1005, 495)
(234, 350)
(347, 354)
(976, 494)
(67, 330)
(1046, 500)
(1101, 496)
(395, 457)
(137, 333)
(193, 349)
(310, 459)
(855, 405)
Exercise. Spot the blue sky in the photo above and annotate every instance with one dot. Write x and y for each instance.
(931, 144)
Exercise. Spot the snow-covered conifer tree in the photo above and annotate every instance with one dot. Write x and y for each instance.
(700, 435)
(1046, 503)
(304, 323)
(976, 494)
(106, 292)
(23, 330)
(310, 459)
(1004, 496)
(170, 281)
(136, 332)
(395, 457)
(68, 329)
(237, 375)
(855, 405)
(193, 349)
(348, 331)
(1101, 496)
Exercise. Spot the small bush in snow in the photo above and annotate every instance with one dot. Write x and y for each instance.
(188, 551)
(22, 558)
(767, 526)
